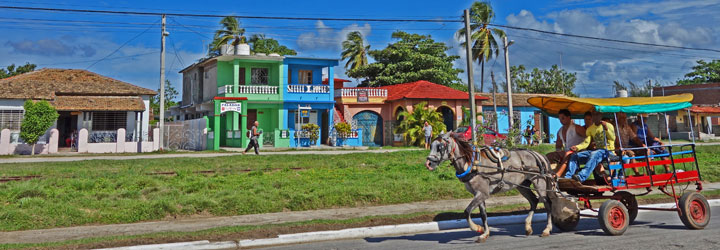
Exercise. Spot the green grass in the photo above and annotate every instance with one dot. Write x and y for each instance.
(108, 192)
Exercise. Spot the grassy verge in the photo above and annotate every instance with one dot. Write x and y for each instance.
(111, 192)
(266, 231)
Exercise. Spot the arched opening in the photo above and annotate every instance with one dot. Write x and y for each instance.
(448, 117)
(399, 110)
(371, 124)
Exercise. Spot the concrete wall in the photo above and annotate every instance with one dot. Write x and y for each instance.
(7, 148)
(118, 147)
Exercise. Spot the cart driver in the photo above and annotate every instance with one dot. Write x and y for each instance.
(603, 135)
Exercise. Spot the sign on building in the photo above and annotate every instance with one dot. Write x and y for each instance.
(230, 106)
(304, 113)
(362, 95)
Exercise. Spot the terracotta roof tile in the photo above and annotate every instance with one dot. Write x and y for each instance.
(705, 109)
(47, 83)
(98, 103)
(425, 90)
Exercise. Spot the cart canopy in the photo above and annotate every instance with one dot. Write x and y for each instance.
(577, 106)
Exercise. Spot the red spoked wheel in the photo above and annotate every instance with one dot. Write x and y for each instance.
(694, 210)
(613, 217)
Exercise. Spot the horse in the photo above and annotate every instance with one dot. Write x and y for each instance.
(495, 171)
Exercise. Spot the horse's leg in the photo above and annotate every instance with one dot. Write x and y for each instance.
(483, 215)
(476, 201)
(532, 198)
(541, 186)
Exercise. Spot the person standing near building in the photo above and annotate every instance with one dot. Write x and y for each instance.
(253, 139)
(428, 134)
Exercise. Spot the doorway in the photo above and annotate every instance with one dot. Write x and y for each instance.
(66, 125)
(324, 127)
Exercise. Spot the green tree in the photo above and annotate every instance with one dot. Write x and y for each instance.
(12, 70)
(412, 58)
(261, 44)
(483, 38)
(354, 51)
(636, 90)
(230, 32)
(39, 117)
(459, 86)
(170, 95)
(412, 125)
(703, 72)
(541, 81)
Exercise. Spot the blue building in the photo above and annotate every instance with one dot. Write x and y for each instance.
(306, 98)
(523, 113)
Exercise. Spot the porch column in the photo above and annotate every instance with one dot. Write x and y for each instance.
(216, 126)
(243, 126)
(331, 82)
(236, 90)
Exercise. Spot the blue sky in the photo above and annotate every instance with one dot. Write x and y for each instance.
(130, 44)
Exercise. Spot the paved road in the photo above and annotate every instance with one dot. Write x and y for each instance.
(189, 155)
(652, 230)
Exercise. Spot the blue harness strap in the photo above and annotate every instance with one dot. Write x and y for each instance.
(469, 169)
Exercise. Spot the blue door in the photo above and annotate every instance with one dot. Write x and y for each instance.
(372, 129)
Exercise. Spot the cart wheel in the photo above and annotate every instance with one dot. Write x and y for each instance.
(568, 224)
(628, 199)
(613, 217)
(694, 210)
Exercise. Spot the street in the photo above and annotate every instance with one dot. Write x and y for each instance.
(651, 230)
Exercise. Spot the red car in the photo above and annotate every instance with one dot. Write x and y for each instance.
(490, 135)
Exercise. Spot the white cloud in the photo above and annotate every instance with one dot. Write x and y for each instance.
(328, 38)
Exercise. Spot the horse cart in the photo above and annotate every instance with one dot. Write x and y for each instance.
(620, 190)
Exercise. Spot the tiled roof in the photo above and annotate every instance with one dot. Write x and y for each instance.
(425, 90)
(47, 83)
(98, 103)
(705, 109)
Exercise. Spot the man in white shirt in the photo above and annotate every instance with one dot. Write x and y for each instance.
(570, 134)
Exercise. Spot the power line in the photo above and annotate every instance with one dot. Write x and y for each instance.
(116, 50)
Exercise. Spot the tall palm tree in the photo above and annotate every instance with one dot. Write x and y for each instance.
(231, 31)
(355, 51)
(413, 122)
(484, 45)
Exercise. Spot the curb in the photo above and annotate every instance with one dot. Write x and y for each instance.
(354, 233)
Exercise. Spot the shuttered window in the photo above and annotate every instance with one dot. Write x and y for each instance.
(109, 120)
(11, 119)
(305, 76)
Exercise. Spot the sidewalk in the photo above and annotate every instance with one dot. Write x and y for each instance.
(190, 225)
(189, 155)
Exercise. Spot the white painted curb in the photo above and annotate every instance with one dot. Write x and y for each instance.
(353, 233)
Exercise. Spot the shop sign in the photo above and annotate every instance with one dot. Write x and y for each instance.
(230, 106)
(362, 95)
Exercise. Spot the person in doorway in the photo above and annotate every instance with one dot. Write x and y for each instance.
(570, 134)
(603, 134)
(253, 139)
(428, 134)
(528, 135)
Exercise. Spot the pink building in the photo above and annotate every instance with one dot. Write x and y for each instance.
(375, 110)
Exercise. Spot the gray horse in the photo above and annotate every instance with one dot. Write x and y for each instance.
(494, 171)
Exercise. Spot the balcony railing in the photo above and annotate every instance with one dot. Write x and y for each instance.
(353, 92)
(249, 89)
(310, 89)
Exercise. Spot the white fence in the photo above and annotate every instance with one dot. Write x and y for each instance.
(353, 92)
(249, 89)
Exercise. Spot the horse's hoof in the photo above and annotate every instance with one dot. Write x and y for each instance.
(528, 232)
(481, 239)
(545, 234)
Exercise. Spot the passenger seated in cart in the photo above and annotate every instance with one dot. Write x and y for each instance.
(603, 134)
(570, 134)
(626, 139)
(645, 135)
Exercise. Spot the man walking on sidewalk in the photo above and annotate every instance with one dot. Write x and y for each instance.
(253, 139)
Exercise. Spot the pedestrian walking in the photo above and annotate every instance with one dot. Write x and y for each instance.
(253, 134)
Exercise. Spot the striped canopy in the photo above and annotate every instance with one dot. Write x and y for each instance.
(577, 106)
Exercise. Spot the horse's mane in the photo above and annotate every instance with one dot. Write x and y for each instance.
(465, 148)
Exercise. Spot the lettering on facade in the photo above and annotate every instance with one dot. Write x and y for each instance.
(230, 106)
(362, 95)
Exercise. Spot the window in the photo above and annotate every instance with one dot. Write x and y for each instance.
(241, 76)
(259, 76)
(109, 121)
(305, 76)
(11, 119)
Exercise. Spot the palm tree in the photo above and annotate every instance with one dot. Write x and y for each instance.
(484, 45)
(231, 31)
(412, 125)
(355, 51)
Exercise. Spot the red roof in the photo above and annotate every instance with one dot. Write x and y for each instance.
(337, 82)
(425, 90)
(704, 109)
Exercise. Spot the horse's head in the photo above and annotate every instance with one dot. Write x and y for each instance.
(439, 151)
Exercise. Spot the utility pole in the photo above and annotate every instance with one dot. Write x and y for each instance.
(509, 84)
(162, 82)
(471, 85)
(492, 78)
